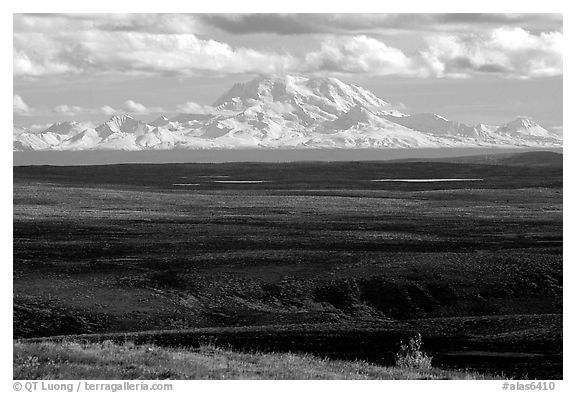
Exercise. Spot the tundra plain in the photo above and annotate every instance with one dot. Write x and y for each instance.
(310, 257)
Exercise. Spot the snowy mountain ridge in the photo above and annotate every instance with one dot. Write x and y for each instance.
(291, 112)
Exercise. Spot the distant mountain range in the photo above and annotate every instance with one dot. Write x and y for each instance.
(289, 112)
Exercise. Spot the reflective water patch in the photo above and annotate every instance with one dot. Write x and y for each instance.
(423, 180)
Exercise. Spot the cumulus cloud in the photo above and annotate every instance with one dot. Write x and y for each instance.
(506, 52)
(74, 110)
(42, 61)
(136, 53)
(170, 44)
(130, 106)
(192, 107)
(70, 110)
(135, 107)
(361, 55)
(510, 52)
(19, 106)
(108, 110)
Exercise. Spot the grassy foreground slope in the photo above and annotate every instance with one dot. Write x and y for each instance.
(81, 360)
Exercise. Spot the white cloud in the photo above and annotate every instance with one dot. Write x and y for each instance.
(70, 110)
(153, 44)
(135, 107)
(129, 106)
(19, 106)
(192, 107)
(136, 53)
(508, 52)
(32, 63)
(107, 110)
(361, 55)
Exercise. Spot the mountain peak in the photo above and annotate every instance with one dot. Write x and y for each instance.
(522, 122)
(328, 96)
(160, 121)
(429, 116)
(121, 123)
(525, 127)
(288, 111)
(64, 127)
(120, 118)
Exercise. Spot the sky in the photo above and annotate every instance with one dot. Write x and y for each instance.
(473, 68)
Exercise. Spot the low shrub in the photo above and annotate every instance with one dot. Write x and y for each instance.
(411, 355)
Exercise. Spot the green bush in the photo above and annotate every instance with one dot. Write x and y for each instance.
(411, 355)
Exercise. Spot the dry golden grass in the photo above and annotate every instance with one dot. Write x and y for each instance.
(78, 360)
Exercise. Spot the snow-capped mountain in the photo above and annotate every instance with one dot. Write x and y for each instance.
(122, 124)
(160, 121)
(437, 125)
(65, 128)
(287, 112)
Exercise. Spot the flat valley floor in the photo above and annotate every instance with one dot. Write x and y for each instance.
(312, 257)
